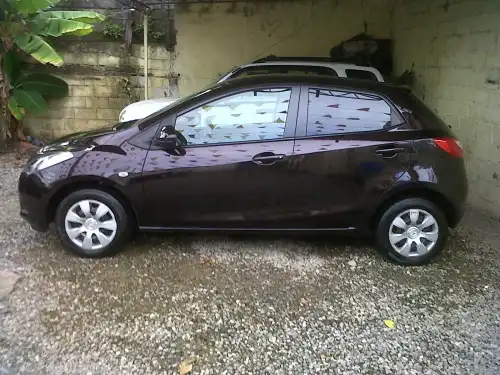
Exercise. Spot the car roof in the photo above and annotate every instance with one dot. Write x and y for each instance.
(312, 63)
(339, 82)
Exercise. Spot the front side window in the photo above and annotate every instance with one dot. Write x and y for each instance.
(338, 112)
(256, 115)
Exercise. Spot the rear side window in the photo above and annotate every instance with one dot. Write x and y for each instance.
(339, 112)
(285, 69)
(360, 74)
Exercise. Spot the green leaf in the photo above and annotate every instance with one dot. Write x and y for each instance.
(38, 48)
(81, 16)
(33, 6)
(57, 27)
(14, 108)
(11, 66)
(31, 100)
(45, 84)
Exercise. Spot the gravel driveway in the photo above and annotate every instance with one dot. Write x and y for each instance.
(243, 305)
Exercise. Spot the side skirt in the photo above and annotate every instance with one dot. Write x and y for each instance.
(246, 230)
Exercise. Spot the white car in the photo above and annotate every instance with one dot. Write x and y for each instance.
(269, 65)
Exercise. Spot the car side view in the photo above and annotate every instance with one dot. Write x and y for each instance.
(263, 153)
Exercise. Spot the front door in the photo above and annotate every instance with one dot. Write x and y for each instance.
(235, 172)
(349, 150)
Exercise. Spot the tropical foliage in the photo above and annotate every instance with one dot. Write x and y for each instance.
(28, 26)
(28, 90)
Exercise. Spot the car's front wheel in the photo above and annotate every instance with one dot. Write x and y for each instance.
(412, 231)
(92, 223)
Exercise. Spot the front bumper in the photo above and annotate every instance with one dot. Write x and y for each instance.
(33, 201)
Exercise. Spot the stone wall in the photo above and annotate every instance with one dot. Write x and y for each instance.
(455, 46)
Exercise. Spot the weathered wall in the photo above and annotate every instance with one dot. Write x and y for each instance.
(103, 79)
(455, 46)
(212, 39)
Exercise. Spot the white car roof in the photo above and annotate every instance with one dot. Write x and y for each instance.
(340, 68)
(312, 63)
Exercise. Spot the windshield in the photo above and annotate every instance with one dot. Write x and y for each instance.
(147, 120)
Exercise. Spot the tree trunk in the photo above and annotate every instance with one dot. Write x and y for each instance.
(4, 110)
(5, 117)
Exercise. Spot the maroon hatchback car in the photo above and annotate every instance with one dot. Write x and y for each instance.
(264, 153)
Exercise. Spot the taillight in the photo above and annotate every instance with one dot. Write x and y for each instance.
(450, 145)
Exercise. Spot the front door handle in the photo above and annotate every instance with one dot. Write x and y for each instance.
(267, 158)
(389, 152)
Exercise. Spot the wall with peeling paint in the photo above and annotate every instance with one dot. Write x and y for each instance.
(213, 38)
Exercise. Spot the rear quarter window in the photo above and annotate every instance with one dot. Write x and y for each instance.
(360, 74)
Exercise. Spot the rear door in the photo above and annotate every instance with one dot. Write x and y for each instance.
(350, 147)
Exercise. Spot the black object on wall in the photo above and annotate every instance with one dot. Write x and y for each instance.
(366, 51)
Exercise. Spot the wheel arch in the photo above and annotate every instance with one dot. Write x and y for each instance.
(96, 183)
(417, 192)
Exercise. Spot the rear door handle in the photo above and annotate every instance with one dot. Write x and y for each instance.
(267, 158)
(389, 152)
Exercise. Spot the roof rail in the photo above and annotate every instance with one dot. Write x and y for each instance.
(271, 58)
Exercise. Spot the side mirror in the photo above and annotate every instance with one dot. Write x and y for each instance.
(167, 139)
(167, 143)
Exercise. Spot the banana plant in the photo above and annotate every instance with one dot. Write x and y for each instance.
(28, 90)
(28, 25)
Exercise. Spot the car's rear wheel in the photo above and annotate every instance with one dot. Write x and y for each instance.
(92, 223)
(412, 231)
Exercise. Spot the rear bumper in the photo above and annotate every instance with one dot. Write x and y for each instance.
(32, 201)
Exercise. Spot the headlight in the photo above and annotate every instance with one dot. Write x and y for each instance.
(50, 160)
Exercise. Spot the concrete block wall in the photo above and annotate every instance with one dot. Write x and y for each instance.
(103, 79)
(93, 102)
(455, 48)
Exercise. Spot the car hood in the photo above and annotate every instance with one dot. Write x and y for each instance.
(142, 109)
(81, 141)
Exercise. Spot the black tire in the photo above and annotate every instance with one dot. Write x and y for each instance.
(384, 226)
(123, 222)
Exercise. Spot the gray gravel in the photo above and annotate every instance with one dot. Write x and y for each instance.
(246, 305)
